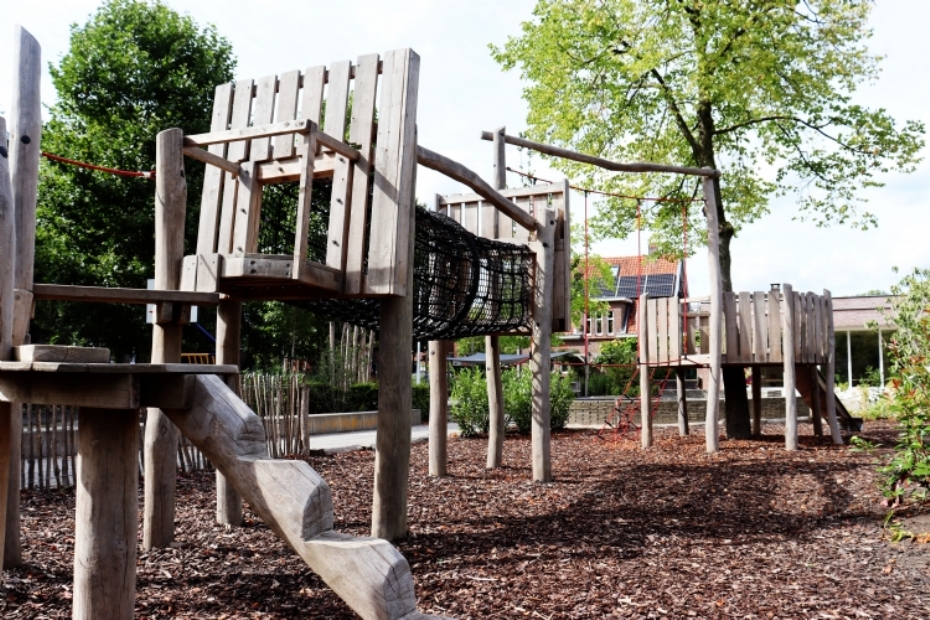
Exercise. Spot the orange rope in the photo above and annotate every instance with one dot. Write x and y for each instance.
(80, 164)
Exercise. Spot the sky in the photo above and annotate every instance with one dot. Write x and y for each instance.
(463, 91)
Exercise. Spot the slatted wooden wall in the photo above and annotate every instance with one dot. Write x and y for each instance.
(230, 210)
(752, 334)
(486, 221)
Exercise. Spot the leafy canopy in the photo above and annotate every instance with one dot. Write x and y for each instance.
(134, 69)
(761, 90)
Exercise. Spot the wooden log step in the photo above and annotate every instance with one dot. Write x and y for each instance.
(369, 574)
(57, 353)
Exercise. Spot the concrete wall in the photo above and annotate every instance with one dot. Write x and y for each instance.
(323, 423)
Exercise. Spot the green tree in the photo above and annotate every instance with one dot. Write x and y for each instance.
(134, 69)
(743, 87)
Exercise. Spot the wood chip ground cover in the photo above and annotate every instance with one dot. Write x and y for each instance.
(754, 532)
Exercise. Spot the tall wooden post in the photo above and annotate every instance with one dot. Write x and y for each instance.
(788, 354)
(711, 436)
(106, 516)
(645, 402)
(7, 275)
(228, 336)
(492, 345)
(831, 371)
(438, 407)
(756, 400)
(161, 435)
(24, 151)
(684, 428)
(540, 360)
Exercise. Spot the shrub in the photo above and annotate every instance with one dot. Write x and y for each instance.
(421, 400)
(323, 397)
(363, 396)
(469, 407)
(518, 400)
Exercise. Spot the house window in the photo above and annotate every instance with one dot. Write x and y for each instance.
(599, 324)
(610, 322)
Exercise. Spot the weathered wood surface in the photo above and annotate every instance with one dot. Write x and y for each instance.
(683, 426)
(711, 432)
(240, 136)
(214, 160)
(7, 250)
(646, 352)
(212, 197)
(114, 295)
(460, 173)
(438, 407)
(395, 168)
(161, 436)
(789, 319)
(541, 343)
(368, 573)
(228, 338)
(760, 343)
(601, 162)
(58, 353)
(496, 414)
(106, 515)
(830, 370)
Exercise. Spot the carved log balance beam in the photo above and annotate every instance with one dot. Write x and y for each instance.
(460, 173)
(600, 162)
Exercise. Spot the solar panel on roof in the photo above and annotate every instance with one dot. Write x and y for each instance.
(630, 286)
(661, 285)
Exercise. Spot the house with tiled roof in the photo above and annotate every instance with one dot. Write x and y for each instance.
(630, 276)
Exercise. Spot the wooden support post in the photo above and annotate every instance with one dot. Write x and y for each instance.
(106, 514)
(830, 371)
(541, 342)
(24, 152)
(816, 418)
(228, 335)
(757, 400)
(711, 436)
(645, 341)
(788, 344)
(684, 428)
(7, 275)
(161, 435)
(438, 407)
(392, 441)
(492, 345)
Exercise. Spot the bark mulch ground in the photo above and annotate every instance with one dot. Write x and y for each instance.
(754, 532)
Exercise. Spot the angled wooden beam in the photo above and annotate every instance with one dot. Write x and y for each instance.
(600, 162)
(460, 173)
(249, 133)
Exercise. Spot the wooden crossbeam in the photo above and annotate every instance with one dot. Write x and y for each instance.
(249, 133)
(103, 294)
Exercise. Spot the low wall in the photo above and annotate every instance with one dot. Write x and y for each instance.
(594, 411)
(322, 423)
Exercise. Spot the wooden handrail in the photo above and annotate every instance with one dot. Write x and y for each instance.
(600, 162)
(250, 133)
(460, 173)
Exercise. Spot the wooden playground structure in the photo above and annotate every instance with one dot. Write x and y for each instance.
(259, 137)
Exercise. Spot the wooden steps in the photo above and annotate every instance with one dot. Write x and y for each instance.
(369, 574)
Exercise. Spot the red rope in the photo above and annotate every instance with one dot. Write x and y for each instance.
(80, 164)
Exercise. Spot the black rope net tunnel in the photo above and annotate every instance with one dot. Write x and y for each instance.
(463, 285)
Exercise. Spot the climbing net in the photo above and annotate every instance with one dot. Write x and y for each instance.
(463, 285)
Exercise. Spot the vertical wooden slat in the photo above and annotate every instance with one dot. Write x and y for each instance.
(674, 323)
(470, 217)
(314, 80)
(759, 343)
(774, 326)
(305, 194)
(286, 110)
(745, 328)
(262, 114)
(662, 331)
(248, 207)
(395, 167)
(652, 336)
(361, 133)
(798, 322)
(213, 177)
(236, 151)
(519, 233)
(337, 101)
(732, 333)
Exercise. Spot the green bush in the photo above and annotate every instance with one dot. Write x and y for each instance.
(518, 399)
(421, 400)
(469, 406)
(323, 397)
(363, 396)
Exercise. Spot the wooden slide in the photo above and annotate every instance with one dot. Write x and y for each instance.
(806, 388)
(369, 574)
